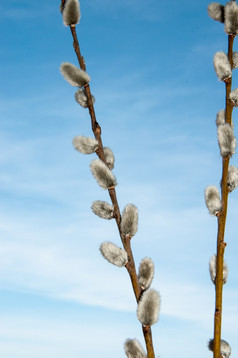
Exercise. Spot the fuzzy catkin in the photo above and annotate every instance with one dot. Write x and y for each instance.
(133, 349)
(216, 11)
(224, 348)
(212, 199)
(222, 66)
(104, 177)
(234, 97)
(221, 119)
(74, 75)
(232, 178)
(81, 98)
(102, 209)
(85, 145)
(146, 273)
(212, 269)
(71, 13)
(109, 157)
(231, 18)
(226, 140)
(235, 60)
(129, 220)
(114, 254)
(148, 307)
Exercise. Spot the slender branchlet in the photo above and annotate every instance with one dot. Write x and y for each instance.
(133, 349)
(234, 97)
(102, 209)
(146, 273)
(129, 220)
(148, 308)
(213, 267)
(74, 75)
(85, 145)
(226, 140)
(71, 13)
(102, 174)
(81, 98)
(231, 18)
(212, 199)
(109, 157)
(114, 254)
(221, 117)
(235, 60)
(232, 178)
(216, 11)
(225, 348)
(222, 66)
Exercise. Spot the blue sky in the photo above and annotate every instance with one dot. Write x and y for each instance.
(157, 96)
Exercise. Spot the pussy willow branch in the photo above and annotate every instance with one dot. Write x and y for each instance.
(222, 220)
(130, 266)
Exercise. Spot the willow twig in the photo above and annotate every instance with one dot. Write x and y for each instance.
(130, 266)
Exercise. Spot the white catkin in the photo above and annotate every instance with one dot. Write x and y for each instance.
(146, 273)
(224, 347)
(114, 254)
(102, 209)
(222, 66)
(234, 97)
(74, 75)
(231, 18)
(232, 178)
(148, 307)
(81, 98)
(85, 145)
(216, 11)
(71, 12)
(212, 199)
(102, 174)
(109, 157)
(133, 349)
(226, 140)
(212, 269)
(235, 59)
(129, 220)
(220, 119)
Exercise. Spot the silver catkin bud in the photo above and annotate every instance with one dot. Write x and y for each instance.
(129, 220)
(85, 145)
(222, 66)
(212, 269)
(109, 157)
(102, 174)
(226, 140)
(146, 273)
(74, 75)
(216, 11)
(114, 254)
(133, 349)
(232, 178)
(220, 119)
(148, 307)
(71, 13)
(102, 209)
(235, 59)
(224, 348)
(81, 98)
(212, 199)
(234, 97)
(231, 18)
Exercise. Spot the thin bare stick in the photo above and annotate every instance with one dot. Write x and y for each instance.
(222, 221)
(130, 266)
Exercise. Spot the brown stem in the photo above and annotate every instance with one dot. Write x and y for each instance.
(222, 221)
(112, 193)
